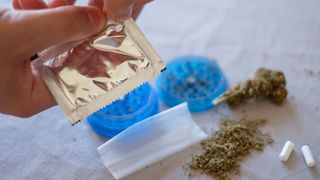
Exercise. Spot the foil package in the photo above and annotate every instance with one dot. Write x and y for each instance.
(87, 75)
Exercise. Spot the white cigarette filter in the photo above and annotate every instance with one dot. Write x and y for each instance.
(306, 151)
(286, 151)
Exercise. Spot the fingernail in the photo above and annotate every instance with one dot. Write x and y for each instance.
(123, 13)
(97, 18)
(119, 13)
(121, 16)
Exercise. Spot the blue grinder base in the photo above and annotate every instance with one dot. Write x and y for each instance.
(194, 79)
(134, 107)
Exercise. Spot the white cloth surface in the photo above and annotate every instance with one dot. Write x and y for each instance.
(241, 35)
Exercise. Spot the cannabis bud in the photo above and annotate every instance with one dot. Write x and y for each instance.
(266, 83)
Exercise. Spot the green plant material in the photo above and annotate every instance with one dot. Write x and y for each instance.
(224, 151)
(266, 83)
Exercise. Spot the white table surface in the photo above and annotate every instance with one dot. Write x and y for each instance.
(241, 35)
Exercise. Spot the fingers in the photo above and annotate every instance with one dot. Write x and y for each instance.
(39, 4)
(139, 4)
(121, 10)
(40, 29)
(34, 94)
(41, 98)
(142, 2)
(136, 12)
(16, 4)
(118, 9)
(96, 3)
(29, 4)
(59, 3)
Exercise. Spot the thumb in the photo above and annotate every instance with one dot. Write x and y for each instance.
(28, 32)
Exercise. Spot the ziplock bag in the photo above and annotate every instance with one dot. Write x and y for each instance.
(87, 75)
(150, 140)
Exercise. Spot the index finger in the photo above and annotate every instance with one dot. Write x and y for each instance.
(58, 3)
(119, 10)
(96, 3)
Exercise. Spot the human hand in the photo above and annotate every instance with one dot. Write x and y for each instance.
(120, 9)
(25, 33)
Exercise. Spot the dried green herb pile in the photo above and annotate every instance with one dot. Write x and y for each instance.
(224, 151)
(266, 83)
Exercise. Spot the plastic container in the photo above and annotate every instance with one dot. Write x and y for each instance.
(194, 79)
(134, 107)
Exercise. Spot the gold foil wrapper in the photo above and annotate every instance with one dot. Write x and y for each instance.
(99, 70)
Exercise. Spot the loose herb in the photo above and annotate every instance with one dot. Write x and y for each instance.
(266, 83)
(228, 146)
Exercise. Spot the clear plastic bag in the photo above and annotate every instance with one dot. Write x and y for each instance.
(150, 140)
(87, 75)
